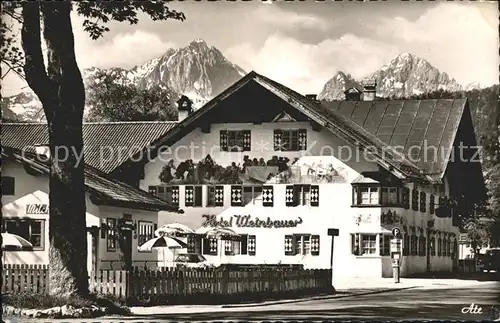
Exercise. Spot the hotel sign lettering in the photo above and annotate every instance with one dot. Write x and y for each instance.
(37, 209)
(247, 221)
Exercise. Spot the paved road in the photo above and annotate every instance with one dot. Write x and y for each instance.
(411, 304)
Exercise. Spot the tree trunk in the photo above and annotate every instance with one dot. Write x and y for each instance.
(62, 94)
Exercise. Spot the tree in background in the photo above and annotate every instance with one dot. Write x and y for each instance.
(111, 98)
(59, 86)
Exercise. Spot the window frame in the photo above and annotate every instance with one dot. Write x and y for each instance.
(385, 246)
(238, 136)
(357, 197)
(148, 237)
(242, 246)
(30, 221)
(387, 194)
(358, 237)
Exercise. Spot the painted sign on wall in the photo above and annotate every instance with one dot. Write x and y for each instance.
(247, 221)
(37, 209)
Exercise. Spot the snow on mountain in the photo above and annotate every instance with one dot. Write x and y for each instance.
(405, 75)
(197, 70)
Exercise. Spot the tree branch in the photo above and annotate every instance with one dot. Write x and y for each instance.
(34, 68)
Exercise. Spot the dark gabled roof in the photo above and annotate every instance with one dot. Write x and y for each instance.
(101, 139)
(403, 124)
(101, 189)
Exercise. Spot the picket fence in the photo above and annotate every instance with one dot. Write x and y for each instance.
(170, 282)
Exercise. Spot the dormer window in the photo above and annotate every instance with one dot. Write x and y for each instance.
(366, 195)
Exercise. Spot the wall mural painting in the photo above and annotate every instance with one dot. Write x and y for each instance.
(363, 218)
(390, 218)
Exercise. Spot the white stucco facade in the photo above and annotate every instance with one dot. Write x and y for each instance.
(334, 210)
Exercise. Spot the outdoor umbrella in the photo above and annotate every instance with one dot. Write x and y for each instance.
(220, 234)
(162, 242)
(13, 242)
(173, 229)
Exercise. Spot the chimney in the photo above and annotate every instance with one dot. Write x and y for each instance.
(42, 150)
(369, 89)
(184, 107)
(312, 97)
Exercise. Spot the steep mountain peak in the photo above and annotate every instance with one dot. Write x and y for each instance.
(335, 87)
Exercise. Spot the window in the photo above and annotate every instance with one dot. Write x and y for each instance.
(146, 232)
(209, 246)
(244, 195)
(252, 194)
(302, 195)
(366, 195)
(389, 195)
(423, 201)
(422, 246)
(432, 246)
(111, 239)
(363, 244)
(406, 245)
(235, 140)
(413, 245)
(432, 204)
(406, 198)
(215, 196)
(246, 246)
(290, 140)
(167, 193)
(385, 244)
(414, 200)
(29, 229)
(301, 244)
(439, 246)
(8, 185)
(193, 195)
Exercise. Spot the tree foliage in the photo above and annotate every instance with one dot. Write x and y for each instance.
(111, 98)
(58, 83)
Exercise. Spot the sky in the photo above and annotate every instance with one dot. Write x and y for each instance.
(303, 44)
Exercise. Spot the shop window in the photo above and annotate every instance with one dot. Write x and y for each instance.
(366, 195)
(423, 201)
(8, 185)
(363, 244)
(29, 229)
(290, 140)
(193, 195)
(235, 140)
(385, 244)
(112, 234)
(146, 231)
(414, 200)
(166, 193)
(390, 196)
(302, 244)
(215, 196)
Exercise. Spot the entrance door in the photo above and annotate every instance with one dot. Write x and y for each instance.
(126, 248)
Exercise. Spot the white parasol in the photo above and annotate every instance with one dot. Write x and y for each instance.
(219, 233)
(162, 242)
(13, 242)
(173, 229)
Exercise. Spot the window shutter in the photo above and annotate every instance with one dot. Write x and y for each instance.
(247, 140)
(244, 244)
(191, 243)
(302, 139)
(423, 201)
(175, 195)
(153, 190)
(439, 247)
(315, 245)
(278, 136)
(267, 195)
(228, 247)
(406, 198)
(223, 140)
(213, 246)
(406, 245)
(381, 244)
(289, 245)
(432, 204)
(236, 195)
(219, 196)
(314, 195)
(290, 195)
(189, 195)
(355, 244)
(252, 245)
(414, 200)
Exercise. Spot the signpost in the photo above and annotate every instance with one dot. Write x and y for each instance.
(396, 253)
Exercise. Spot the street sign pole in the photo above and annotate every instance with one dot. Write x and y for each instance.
(396, 254)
